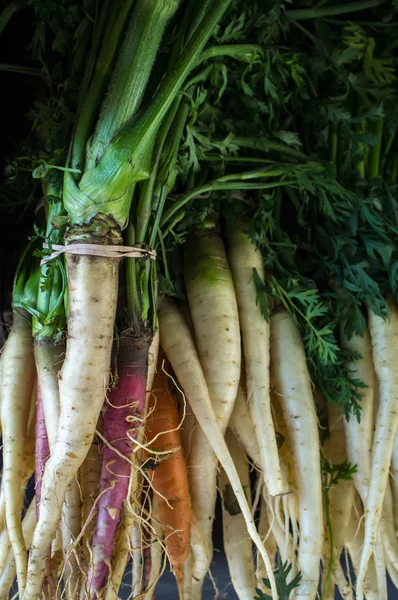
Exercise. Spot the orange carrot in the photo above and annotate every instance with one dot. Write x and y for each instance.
(169, 477)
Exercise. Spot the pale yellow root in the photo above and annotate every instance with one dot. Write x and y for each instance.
(244, 257)
(394, 482)
(16, 393)
(188, 575)
(93, 289)
(293, 389)
(70, 528)
(242, 425)
(341, 496)
(265, 531)
(376, 581)
(7, 573)
(157, 565)
(359, 436)
(177, 342)
(237, 544)
(214, 312)
(90, 473)
(137, 556)
(384, 336)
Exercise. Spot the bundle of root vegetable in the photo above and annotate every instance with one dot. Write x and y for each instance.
(208, 302)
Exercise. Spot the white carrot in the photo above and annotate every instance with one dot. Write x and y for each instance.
(237, 544)
(93, 285)
(7, 573)
(394, 481)
(16, 393)
(215, 319)
(341, 495)
(244, 257)
(70, 529)
(384, 336)
(376, 581)
(242, 425)
(156, 549)
(359, 435)
(176, 341)
(293, 388)
(264, 529)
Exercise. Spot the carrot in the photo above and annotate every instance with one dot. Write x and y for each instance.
(123, 417)
(293, 389)
(169, 478)
(93, 285)
(178, 345)
(376, 581)
(384, 335)
(156, 550)
(265, 531)
(16, 394)
(359, 435)
(238, 547)
(215, 319)
(42, 447)
(244, 257)
(341, 495)
(394, 481)
(7, 573)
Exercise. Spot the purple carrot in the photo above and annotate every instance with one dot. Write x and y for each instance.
(42, 447)
(126, 402)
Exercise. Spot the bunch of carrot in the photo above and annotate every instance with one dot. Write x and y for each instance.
(157, 354)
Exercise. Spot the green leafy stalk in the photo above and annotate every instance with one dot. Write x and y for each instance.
(92, 96)
(128, 158)
(133, 68)
(304, 14)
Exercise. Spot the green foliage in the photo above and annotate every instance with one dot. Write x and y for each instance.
(283, 587)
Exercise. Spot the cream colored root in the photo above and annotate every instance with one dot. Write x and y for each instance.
(359, 436)
(394, 482)
(70, 528)
(384, 336)
(215, 319)
(125, 544)
(342, 495)
(188, 576)
(237, 544)
(294, 393)
(244, 257)
(177, 342)
(376, 581)
(16, 393)
(93, 286)
(242, 425)
(7, 573)
(156, 552)
(265, 531)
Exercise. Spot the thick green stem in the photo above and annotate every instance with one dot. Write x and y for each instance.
(133, 68)
(128, 158)
(91, 99)
(375, 151)
(218, 185)
(133, 297)
(331, 11)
